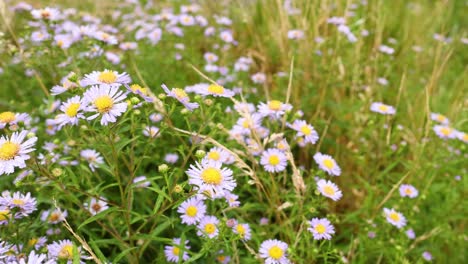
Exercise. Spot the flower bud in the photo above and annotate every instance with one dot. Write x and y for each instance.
(163, 168)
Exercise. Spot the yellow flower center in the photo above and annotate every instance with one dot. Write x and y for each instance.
(274, 105)
(179, 93)
(32, 241)
(221, 258)
(274, 160)
(96, 207)
(275, 252)
(319, 228)
(214, 155)
(241, 230)
(210, 228)
(394, 216)
(306, 130)
(60, 43)
(9, 150)
(104, 103)
(383, 108)
(4, 214)
(191, 211)
(107, 77)
(328, 190)
(66, 252)
(53, 217)
(175, 251)
(328, 163)
(18, 202)
(245, 124)
(45, 14)
(72, 109)
(408, 191)
(7, 117)
(441, 118)
(446, 131)
(212, 176)
(216, 89)
(465, 137)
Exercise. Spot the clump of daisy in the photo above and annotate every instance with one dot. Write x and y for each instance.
(321, 228)
(274, 251)
(177, 250)
(327, 164)
(273, 160)
(106, 101)
(382, 108)
(14, 152)
(181, 96)
(106, 77)
(208, 226)
(95, 206)
(192, 210)
(395, 218)
(445, 132)
(407, 190)
(211, 179)
(305, 130)
(329, 189)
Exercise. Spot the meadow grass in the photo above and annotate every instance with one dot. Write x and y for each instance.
(327, 75)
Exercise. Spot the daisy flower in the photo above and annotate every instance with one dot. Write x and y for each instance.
(445, 132)
(408, 190)
(258, 77)
(171, 158)
(218, 154)
(222, 258)
(329, 189)
(104, 100)
(395, 218)
(24, 204)
(151, 131)
(95, 206)
(243, 230)
(327, 164)
(141, 182)
(440, 118)
(210, 57)
(273, 160)
(93, 157)
(232, 199)
(462, 136)
(62, 250)
(192, 210)
(427, 256)
(5, 215)
(410, 233)
(141, 91)
(181, 96)
(274, 252)
(12, 119)
(208, 226)
(54, 217)
(321, 228)
(246, 125)
(47, 13)
(211, 178)
(216, 90)
(37, 242)
(72, 112)
(382, 108)
(295, 34)
(305, 130)
(34, 258)
(105, 77)
(14, 152)
(273, 109)
(177, 249)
